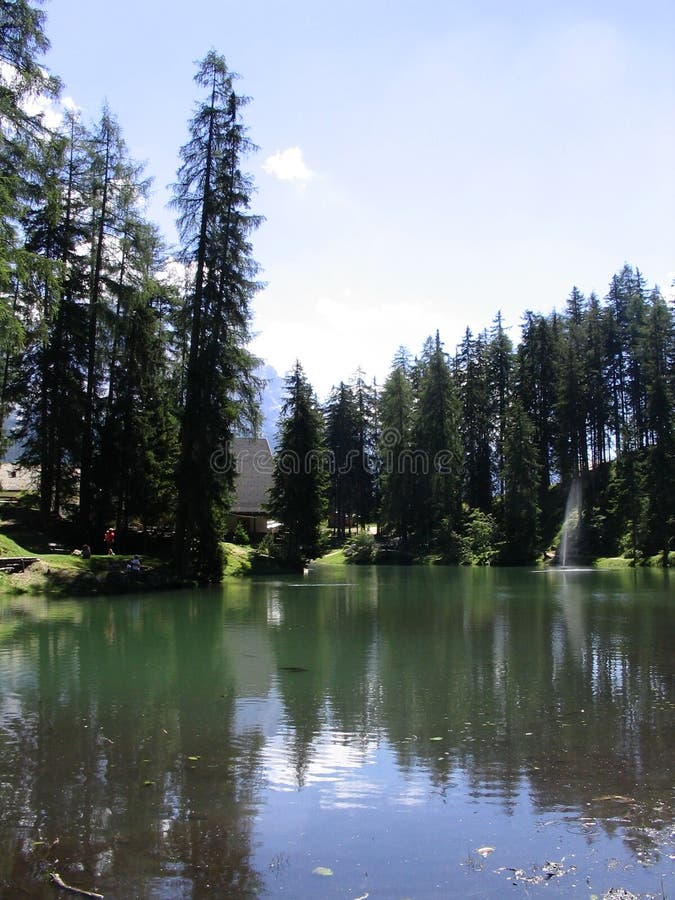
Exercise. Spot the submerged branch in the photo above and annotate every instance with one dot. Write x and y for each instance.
(60, 883)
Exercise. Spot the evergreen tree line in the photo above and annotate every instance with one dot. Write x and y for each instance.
(125, 383)
(471, 456)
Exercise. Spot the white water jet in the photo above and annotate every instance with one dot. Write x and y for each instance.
(571, 523)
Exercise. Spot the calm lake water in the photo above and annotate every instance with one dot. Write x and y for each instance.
(416, 732)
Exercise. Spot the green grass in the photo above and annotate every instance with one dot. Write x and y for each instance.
(237, 559)
(55, 572)
(622, 562)
(612, 562)
(9, 547)
(332, 558)
(657, 560)
(65, 561)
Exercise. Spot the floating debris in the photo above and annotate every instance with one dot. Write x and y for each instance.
(539, 875)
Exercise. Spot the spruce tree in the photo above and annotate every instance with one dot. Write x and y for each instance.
(521, 486)
(500, 366)
(300, 480)
(395, 448)
(212, 196)
(436, 433)
(342, 442)
(659, 369)
(597, 383)
(616, 326)
(472, 371)
(134, 466)
(536, 385)
(365, 461)
(572, 392)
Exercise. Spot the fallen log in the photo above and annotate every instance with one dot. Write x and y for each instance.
(60, 883)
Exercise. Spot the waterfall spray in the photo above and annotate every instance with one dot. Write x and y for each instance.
(571, 523)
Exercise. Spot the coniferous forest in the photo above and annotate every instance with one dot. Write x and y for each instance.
(126, 381)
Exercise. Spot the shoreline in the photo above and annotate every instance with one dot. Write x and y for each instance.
(65, 575)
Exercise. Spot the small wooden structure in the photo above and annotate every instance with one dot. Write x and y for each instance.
(16, 563)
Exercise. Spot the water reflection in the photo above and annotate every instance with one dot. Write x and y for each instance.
(225, 743)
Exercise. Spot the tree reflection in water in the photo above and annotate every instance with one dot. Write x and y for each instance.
(177, 746)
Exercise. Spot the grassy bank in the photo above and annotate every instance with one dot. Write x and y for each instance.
(622, 562)
(238, 560)
(63, 574)
(47, 571)
(59, 574)
(332, 558)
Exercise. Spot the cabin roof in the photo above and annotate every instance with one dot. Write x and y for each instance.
(251, 457)
(254, 464)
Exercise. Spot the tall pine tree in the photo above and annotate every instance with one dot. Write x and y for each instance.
(212, 196)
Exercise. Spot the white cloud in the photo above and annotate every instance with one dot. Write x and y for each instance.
(288, 165)
(32, 104)
(69, 104)
(39, 105)
(175, 274)
(322, 333)
(7, 73)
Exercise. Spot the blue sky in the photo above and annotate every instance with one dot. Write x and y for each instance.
(420, 166)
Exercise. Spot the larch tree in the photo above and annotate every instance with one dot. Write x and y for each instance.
(108, 174)
(212, 196)
(47, 382)
(22, 42)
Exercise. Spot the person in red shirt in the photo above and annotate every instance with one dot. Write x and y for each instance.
(109, 538)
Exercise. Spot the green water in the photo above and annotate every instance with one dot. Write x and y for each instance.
(383, 724)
